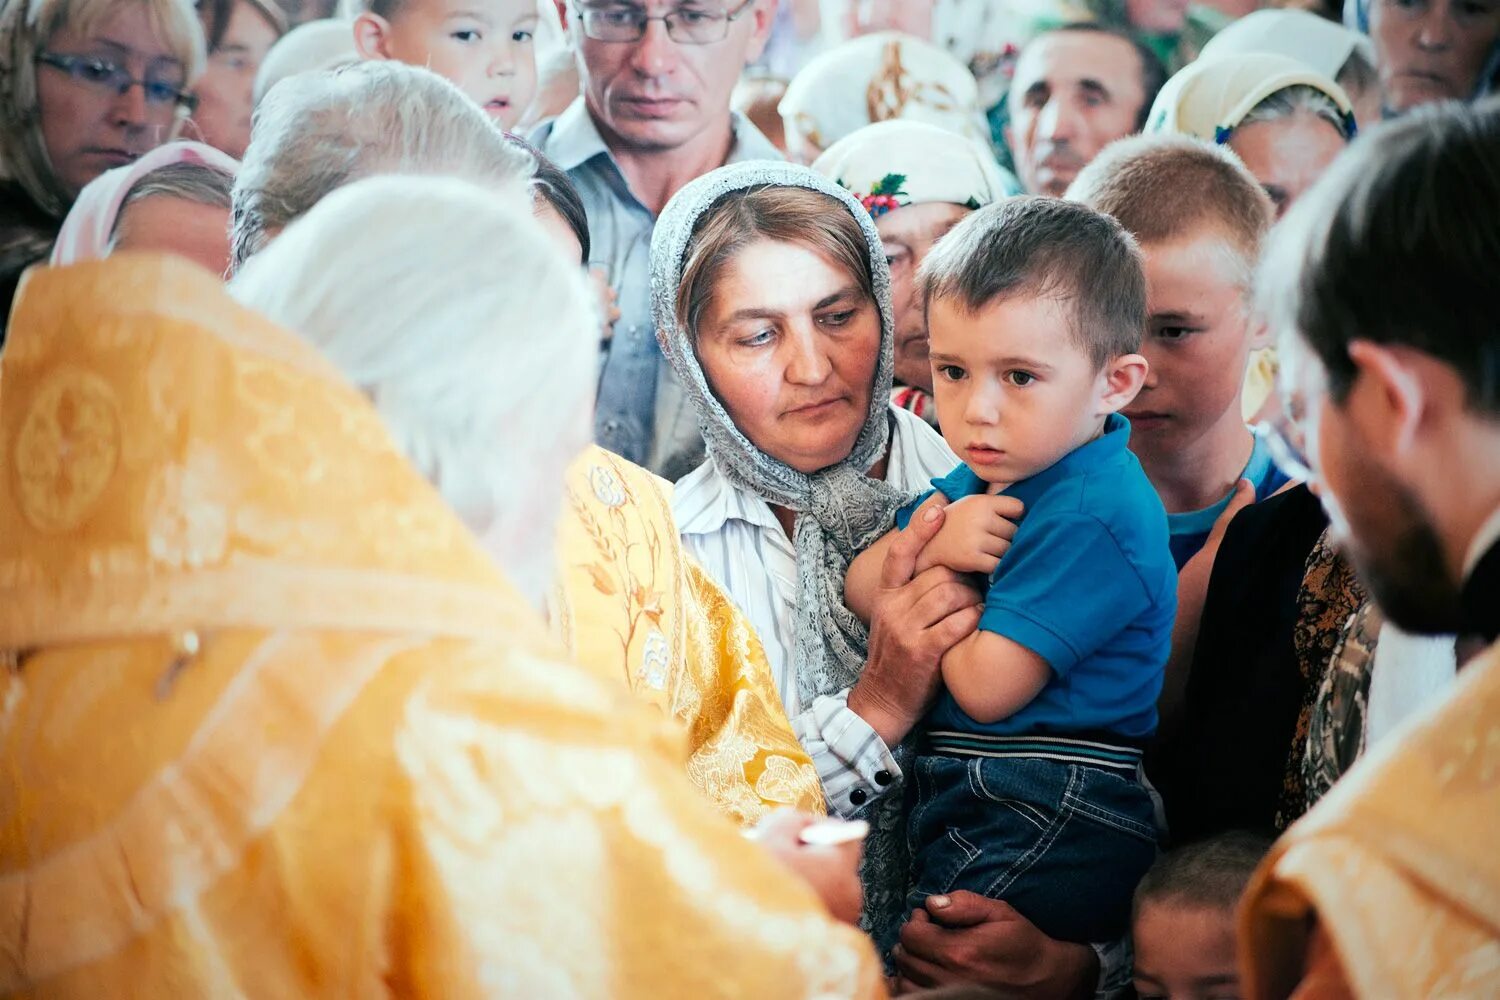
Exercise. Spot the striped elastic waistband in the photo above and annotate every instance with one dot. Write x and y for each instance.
(1068, 749)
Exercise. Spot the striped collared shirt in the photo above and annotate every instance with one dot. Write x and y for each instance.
(735, 537)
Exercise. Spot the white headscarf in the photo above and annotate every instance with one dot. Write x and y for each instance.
(876, 78)
(891, 164)
(1317, 42)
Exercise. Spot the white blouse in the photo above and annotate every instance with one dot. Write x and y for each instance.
(736, 538)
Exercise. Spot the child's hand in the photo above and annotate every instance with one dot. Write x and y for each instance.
(975, 534)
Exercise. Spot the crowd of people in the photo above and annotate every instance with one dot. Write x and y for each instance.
(817, 498)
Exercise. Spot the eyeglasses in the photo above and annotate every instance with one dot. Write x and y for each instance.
(106, 77)
(1288, 446)
(694, 24)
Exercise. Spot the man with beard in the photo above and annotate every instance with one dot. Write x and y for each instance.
(1381, 286)
(1076, 90)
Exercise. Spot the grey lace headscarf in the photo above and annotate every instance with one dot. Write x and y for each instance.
(839, 510)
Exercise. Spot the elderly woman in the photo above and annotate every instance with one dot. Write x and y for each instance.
(1430, 50)
(1284, 120)
(435, 804)
(772, 300)
(917, 181)
(175, 199)
(876, 78)
(628, 604)
(85, 85)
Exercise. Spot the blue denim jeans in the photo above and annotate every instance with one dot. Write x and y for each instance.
(1063, 843)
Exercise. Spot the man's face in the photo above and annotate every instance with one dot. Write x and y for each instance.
(1074, 92)
(656, 94)
(1374, 517)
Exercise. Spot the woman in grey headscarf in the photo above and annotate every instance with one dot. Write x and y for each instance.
(772, 301)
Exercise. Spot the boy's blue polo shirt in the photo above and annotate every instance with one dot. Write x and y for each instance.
(1088, 584)
(1191, 529)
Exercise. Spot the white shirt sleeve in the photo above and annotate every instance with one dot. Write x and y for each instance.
(853, 762)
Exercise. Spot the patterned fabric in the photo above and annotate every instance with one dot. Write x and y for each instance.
(631, 605)
(1326, 603)
(1337, 724)
(885, 76)
(840, 510)
(1397, 864)
(889, 165)
(274, 726)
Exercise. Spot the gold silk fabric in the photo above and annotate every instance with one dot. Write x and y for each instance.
(272, 725)
(1397, 864)
(632, 606)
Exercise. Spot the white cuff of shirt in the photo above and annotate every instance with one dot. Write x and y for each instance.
(853, 762)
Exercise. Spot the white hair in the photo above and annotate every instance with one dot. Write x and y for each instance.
(457, 314)
(315, 132)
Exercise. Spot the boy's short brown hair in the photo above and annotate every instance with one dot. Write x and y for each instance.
(1046, 248)
(1209, 874)
(1164, 187)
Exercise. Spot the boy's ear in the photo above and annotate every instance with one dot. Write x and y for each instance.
(1123, 378)
(372, 36)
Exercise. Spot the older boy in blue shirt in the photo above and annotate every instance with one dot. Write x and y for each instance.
(1026, 781)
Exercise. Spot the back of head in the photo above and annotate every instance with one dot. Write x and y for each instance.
(321, 44)
(457, 314)
(1211, 874)
(1168, 187)
(315, 132)
(1046, 248)
(1397, 244)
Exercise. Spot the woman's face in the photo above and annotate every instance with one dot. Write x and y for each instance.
(1286, 155)
(789, 343)
(1432, 50)
(88, 126)
(908, 234)
(225, 90)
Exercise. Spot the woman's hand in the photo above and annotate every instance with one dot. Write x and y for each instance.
(832, 871)
(975, 534)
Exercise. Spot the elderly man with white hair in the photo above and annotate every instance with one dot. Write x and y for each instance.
(315, 132)
(504, 466)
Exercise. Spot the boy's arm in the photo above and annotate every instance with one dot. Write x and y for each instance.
(992, 677)
(862, 580)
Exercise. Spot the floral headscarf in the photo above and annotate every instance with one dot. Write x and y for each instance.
(1210, 98)
(892, 164)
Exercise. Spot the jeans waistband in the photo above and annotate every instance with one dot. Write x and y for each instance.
(1115, 756)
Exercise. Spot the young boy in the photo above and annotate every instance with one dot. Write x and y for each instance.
(1184, 920)
(1199, 217)
(1026, 779)
(482, 46)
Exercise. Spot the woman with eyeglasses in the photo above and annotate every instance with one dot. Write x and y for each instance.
(85, 86)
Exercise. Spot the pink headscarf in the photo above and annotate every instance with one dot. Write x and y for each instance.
(86, 231)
